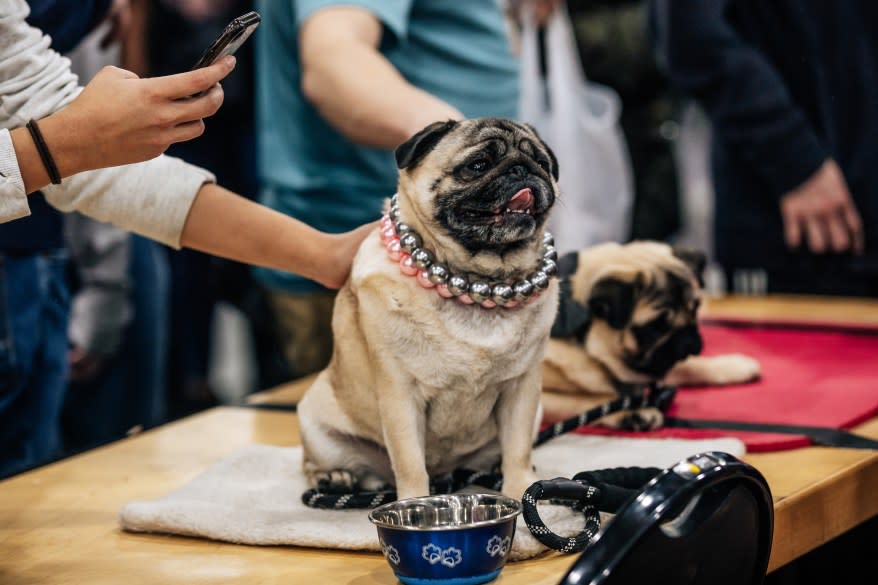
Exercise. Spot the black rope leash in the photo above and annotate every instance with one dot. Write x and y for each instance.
(658, 396)
(589, 492)
(322, 497)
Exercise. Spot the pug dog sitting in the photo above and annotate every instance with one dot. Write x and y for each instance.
(628, 317)
(441, 327)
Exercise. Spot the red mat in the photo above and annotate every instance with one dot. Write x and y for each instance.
(811, 375)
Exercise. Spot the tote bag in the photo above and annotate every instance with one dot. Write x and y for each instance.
(579, 120)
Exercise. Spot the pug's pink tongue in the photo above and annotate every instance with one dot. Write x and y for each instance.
(522, 200)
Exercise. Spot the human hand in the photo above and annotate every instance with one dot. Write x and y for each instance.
(823, 209)
(84, 366)
(119, 17)
(128, 119)
(541, 9)
(344, 247)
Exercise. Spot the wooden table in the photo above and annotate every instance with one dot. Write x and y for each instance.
(58, 524)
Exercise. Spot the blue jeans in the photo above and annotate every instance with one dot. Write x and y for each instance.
(34, 310)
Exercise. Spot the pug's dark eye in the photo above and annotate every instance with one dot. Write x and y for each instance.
(478, 166)
(544, 164)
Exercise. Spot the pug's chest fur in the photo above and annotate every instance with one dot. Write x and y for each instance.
(457, 359)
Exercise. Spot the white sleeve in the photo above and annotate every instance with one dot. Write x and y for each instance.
(13, 199)
(151, 198)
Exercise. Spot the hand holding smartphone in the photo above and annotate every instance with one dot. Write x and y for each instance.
(234, 35)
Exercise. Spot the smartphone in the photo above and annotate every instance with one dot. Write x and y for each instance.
(234, 35)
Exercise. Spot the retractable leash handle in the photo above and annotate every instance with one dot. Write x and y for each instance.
(708, 520)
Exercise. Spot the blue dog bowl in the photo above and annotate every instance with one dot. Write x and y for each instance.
(457, 539)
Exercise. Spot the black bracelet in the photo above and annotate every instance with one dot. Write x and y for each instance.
(45, 155)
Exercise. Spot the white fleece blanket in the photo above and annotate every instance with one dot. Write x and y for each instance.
(253, 496)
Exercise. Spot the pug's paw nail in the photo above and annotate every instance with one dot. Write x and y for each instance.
(335, 481)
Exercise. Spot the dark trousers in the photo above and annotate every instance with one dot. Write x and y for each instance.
(34, 310)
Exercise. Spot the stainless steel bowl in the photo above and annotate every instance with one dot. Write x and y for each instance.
(461, 537)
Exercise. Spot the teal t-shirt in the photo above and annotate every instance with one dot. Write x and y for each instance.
(457, 50)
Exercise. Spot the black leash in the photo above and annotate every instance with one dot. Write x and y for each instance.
(825, 436)
(590, 492)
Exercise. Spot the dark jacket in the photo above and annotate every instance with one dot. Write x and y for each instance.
(787, 84)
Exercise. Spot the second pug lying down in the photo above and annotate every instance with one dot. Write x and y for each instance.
(628, 316)
(424, 381)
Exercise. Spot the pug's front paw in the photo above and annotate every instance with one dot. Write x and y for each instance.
(643, 419)
(734, 368)
(516, 483)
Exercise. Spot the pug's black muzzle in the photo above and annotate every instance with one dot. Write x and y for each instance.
(659, 360)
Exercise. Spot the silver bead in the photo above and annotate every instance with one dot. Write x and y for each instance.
(409, 242)
(523, 289)
(548, 239)
(457, 285)
(421, 258)
(479, 292)
(502, 294)
(394, 200)
(550, 253)
(394, 213)
(438, 274)
(540, 280)
(402, 228)
(549, 267)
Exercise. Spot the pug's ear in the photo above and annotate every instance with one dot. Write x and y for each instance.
(410, 152)
(567, 264)
(553, 160)
(612, 300)
(694, 259)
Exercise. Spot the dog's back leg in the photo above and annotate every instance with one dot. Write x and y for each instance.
(335, 459)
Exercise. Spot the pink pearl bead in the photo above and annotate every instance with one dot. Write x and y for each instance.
(488, 304)
(387, 235)
(510, 305)
(464, 298)
(405, 265)
(443, 291)
(393, 250)
(424, 279)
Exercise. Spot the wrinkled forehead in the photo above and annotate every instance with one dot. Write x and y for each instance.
(671, 288)
(497, 137)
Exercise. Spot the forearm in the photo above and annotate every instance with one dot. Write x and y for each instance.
(61, 141)
(363, 96)
(224, 224)
(355, 87)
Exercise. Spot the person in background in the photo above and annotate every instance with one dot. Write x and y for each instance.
(615, 49)
(119, 314)
(174, 34)
(339, 85)
(116, 120)
(790, 87)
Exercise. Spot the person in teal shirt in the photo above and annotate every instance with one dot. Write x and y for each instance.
(339, 85)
